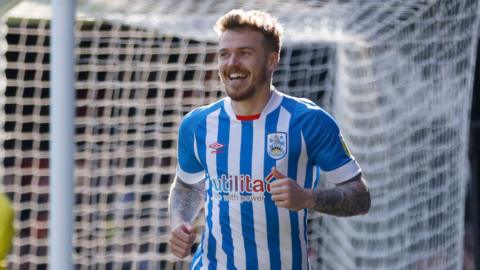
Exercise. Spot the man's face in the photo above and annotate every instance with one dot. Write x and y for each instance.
(243, 63)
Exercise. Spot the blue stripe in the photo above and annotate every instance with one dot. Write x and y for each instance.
(212, 243)
(308, 184)
(305, 236)
(197, 257)
(271, 210)
(317, 178)
(248, 228)
(295, 147)
(222, 168)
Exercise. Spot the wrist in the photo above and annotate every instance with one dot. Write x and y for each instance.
(175, 222)
(311, 195)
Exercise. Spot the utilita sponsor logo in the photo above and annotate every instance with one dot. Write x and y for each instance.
(242, 183)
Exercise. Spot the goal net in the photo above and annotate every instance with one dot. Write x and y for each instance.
(396, 74)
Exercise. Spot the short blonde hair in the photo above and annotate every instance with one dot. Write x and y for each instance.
(255, 20)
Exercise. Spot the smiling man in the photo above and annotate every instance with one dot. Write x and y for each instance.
(253, 159)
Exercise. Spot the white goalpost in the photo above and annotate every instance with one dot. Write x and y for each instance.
(62, 123)
(396, 74)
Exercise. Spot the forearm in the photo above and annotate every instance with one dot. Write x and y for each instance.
(347, 199)
(185, 201)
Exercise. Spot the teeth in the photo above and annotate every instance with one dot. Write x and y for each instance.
(237, 76)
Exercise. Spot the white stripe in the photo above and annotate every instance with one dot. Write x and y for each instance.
(303, 244)
(234, 206)
(284, 214)
(301, 174)
(205, 239)
(195, 150)
(194, 263)
(211, 138)
(190, 178)
(343, 173)
(211, 159)
(206, 230)
(302, 164)
(258, 155)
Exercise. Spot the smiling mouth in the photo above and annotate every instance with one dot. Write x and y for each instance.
(237, 76)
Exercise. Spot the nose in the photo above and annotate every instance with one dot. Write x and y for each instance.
(233, 60)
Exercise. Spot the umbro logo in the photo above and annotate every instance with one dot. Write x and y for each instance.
(216, 148)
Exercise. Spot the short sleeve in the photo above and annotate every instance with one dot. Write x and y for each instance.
(189, 168)
(326, 147)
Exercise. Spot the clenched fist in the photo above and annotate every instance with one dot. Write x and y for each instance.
(288, 194)
(182, 239)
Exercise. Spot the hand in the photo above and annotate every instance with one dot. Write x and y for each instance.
(288, 194)
(182, 239)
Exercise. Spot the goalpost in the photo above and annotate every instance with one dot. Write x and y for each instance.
(61, 143)
(396, 74)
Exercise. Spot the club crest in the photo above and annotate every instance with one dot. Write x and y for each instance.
(277, 145)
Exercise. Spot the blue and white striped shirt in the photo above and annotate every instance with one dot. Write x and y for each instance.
(243, 227)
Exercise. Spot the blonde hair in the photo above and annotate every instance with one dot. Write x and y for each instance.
(255, 20)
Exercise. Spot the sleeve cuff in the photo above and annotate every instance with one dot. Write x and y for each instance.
(190, 178)
(343, 173)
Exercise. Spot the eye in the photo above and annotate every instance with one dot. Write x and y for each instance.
(223, 55)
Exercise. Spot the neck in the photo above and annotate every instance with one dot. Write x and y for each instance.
(255, 104)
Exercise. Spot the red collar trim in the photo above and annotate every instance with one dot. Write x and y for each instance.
(248, 117)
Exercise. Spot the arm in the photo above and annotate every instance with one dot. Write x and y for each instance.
(185, 201)
(327, 149)
(184, 204)
(349, 198)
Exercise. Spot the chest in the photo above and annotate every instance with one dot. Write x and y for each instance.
(249, 147)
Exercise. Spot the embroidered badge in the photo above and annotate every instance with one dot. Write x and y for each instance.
(277, 145)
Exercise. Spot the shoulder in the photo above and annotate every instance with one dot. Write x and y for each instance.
(192, 119)
(306, 112)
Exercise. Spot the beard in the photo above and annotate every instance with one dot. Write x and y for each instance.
(241, 93)
(245, 94)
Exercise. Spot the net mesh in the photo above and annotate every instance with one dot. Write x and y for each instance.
(397, 75)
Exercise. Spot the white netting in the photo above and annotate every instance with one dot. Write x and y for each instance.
(396, 74)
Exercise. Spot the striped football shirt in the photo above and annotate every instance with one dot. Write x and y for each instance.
(243, 227)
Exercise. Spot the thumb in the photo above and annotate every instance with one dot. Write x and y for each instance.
(277, 174)
(190, 228)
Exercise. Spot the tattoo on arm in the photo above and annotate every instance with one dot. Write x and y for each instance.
(185, 201)
(346, 199)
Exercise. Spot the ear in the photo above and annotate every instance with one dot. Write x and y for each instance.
(273, 60)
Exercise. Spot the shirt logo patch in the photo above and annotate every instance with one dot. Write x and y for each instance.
(216, 148)
(277, 145)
